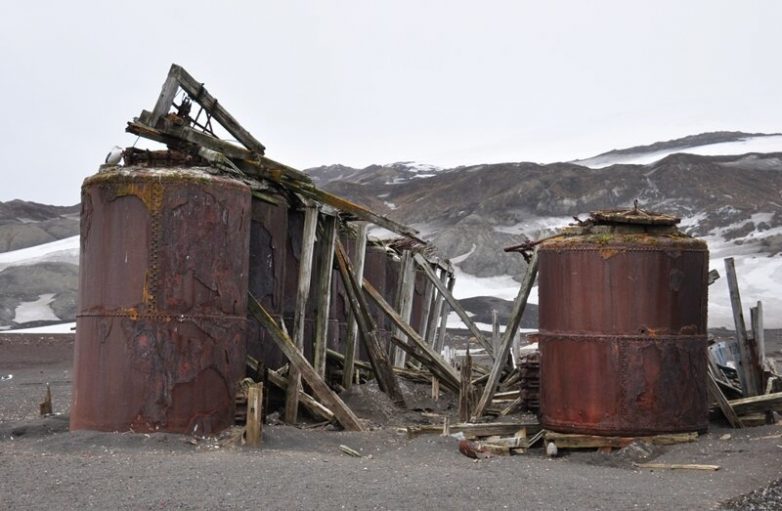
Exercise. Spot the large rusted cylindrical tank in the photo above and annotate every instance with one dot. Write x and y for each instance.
(162, 300)
(623, 327)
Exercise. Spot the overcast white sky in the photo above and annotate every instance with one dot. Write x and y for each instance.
(361, 82)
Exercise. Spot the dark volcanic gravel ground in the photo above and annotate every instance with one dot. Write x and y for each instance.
(43, 466)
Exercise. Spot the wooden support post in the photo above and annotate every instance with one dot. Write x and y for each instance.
(434, 317)
(254, 423)
(381, 364)
(439, 342)
(323, 298)
(428, 306)
(405, 303)
(758, 334)
(344, 415)
(747, 366)
(416, 354)
(448, 372)
(465, 391)
(424, 265)
(352, 338)
(507, 339)
(302, 293)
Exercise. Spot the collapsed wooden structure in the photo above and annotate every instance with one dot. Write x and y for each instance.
(319, 290)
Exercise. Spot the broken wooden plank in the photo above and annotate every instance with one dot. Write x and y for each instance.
(316, 409)
(381, 364)
(513, 406)
(352, 337)
(253, 428)
(722, 402)
(676, 466)
(757, 404)
(447, 371)
(574, 441)
(748, 369)
(454, 303)
(302, 294)
(427, 310)
(323, 296)
(341, 411)
(167, 95)
(507, 339)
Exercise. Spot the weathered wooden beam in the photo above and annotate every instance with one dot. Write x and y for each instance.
(571, 441)
(166, 98)
(253, 429)
(439, 342)
(352, 334)
(507, 339)
(341, 411)
(199, 94)
(381, 364)
(405, 296)
(427, 310)
(306, 400)
(323, 296)
(722, 402)
(495, 330)
(299, 314)
(758, 334)
(748, 370)
(446, 369)
(410, 374)
(454, 303)
(757, 404)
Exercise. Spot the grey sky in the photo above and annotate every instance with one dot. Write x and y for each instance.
(360, 82)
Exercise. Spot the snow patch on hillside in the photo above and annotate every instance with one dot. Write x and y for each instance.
(38, 310)
(60, 328)
(65, 250)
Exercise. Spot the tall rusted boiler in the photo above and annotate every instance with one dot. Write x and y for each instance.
(623, 303)
(162, 300)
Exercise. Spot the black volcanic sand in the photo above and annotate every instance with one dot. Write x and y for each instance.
(43, 466)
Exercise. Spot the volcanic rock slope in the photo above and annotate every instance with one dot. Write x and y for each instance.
(39, 255)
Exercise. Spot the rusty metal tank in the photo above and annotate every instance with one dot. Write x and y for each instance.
(162, 300)
(623, 303)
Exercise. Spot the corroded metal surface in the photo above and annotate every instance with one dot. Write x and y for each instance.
(160, 341)
(623, 385)
(623, 331)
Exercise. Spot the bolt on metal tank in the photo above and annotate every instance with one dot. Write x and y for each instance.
(162, 300)
(623, 301)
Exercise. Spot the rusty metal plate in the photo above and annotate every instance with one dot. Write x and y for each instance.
(623, 385)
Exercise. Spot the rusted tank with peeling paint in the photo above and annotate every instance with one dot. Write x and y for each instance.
(160, 338)
(623, 303)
